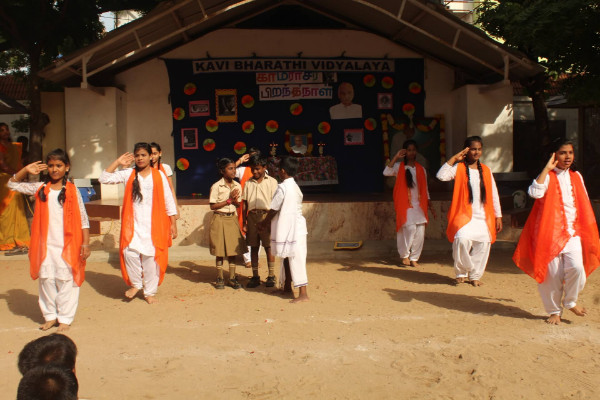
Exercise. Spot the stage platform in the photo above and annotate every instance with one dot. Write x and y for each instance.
(330, 217)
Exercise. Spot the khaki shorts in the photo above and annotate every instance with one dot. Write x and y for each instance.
(253, 236)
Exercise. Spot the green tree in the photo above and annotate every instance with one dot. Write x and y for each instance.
(561, 35)
(33, 33)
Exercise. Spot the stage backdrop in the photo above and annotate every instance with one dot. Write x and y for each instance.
(221, 107)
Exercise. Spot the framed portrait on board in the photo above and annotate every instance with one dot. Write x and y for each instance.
(189, 138)
(385, 101)
(354, 137)
(226, 101)
(199, 108)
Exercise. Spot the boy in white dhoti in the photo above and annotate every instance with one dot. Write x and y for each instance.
(288, 230)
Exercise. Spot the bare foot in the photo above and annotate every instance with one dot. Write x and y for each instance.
(414, 264)
(300, 299)
(554, 319)
(248, 265)
(460, 280)
(476, 283)
(582, 312)
(63, 327)
(131, 292)
(48, 324)
(405, 261)
(151, 299)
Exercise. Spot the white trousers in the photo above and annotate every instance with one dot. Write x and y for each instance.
(470, 258)
(58, 299)
(143, 271)
(247, 257)
(297, 264)
(565, 274)
(410, 240)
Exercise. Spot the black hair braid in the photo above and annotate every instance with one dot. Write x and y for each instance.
(63, 192)
(469, 182)
(42, 193)
(136, 193)
(158, 162)
(409, 178)
(481, 183)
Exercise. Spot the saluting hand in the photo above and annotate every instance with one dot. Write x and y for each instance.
(460, 155)
(552, 163)
(126, 160)
(36, 168)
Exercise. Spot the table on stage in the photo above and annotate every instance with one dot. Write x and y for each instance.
(311, 170)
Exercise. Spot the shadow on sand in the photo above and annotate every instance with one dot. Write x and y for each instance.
(463, 303)
(21, 303)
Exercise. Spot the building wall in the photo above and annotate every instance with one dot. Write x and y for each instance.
(53, 104)
(485, 113)
(94, 138)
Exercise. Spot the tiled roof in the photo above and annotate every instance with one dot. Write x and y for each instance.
(13, 87)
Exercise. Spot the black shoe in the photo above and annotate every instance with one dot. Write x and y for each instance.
(220, 284)
(270, 281)
(234, 283)
(253, 282)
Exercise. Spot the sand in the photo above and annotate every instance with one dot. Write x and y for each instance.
(371, 330)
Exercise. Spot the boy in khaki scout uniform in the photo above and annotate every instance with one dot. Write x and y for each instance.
(257, 195)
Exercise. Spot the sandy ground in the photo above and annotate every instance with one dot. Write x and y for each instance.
(371, 330)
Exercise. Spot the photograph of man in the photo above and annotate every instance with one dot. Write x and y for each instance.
(345, 109)
(227, 105)
(299, 146)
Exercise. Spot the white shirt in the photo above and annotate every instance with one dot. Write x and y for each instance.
(142, 210)
(414, 215)
(300, 149)
(537, 191)
(289, 223)
(340, 111)
(476, 229)
(168, 169)
(53, 266)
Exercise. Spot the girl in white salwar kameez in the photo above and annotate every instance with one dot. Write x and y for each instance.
(59, 238)
(475, 216)
(411, 202)
(288, 230)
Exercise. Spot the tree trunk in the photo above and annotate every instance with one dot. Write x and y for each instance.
(37, 121)
(535, 87)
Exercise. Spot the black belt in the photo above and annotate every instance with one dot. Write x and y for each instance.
(225, 214)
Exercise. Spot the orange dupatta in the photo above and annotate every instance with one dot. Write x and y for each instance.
(461, 212)
(402, 201)
(161, 224)
(247, 175)
(13, 158)
(73, 236)
(545, 233)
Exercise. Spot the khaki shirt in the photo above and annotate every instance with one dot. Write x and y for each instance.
(220, 191)
(259, 195)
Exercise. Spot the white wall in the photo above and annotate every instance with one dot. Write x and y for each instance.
(94, 136)
(485, 113)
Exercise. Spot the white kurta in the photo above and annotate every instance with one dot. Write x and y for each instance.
(476, 229)
(142, 210)
(59, 294)
(566, 273)
(288, 231)
(415, 214)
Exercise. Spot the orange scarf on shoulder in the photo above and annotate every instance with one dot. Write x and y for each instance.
(161, 224)
(461, 212)
(247, 175)
(545, 233)
(73, 236)
(402, 200)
